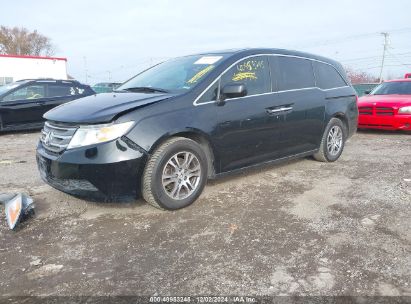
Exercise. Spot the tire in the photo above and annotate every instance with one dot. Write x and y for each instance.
(324, 154)
(167, 170)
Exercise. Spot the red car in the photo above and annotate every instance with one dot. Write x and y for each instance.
(387, 107)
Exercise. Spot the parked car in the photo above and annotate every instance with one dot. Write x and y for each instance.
(23, 103)
(387, 107)
(168, 129)
(364, 88)
(408, 75)
(105, 87)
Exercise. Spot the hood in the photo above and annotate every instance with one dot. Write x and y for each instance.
(102, 107)
(385, 100)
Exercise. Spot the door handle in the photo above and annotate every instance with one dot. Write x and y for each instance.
(277, 110)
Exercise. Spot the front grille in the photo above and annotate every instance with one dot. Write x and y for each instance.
(56, 137)
(384, 111)
(365, 110)
(379, 111)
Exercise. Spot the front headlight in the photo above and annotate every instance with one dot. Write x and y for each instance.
(94, 134)
(404, 110)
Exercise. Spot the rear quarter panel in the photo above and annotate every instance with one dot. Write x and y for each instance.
(342, 102)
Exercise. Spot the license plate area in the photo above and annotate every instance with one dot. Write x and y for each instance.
(44, 166)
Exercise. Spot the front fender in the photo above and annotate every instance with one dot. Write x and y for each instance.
(154, 129)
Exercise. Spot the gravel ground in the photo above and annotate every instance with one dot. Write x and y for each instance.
(300, 228)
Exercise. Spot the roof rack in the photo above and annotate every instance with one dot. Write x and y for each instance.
(47, 79)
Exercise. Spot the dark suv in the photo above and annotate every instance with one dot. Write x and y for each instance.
(23, 103)
(163, 133)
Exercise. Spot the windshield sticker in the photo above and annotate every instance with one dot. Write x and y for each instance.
(200, 74)
(208, 60)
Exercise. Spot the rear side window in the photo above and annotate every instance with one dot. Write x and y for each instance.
(327, 76)
(82, 90)
(252, 72)
(55, 90)
(293, 73)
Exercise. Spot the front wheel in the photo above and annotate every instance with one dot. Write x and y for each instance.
(175, 175)
(332, 142)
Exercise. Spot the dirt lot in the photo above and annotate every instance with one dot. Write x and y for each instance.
(301, 228)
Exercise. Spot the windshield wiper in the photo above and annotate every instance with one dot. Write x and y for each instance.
(146, 89)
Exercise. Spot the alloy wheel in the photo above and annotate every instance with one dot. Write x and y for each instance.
(181, 175)
(334, 140)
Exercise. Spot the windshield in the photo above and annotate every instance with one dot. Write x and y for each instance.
(393, 88)
(175, 75)
(8, 87)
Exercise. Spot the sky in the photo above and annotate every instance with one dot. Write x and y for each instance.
(114, 40)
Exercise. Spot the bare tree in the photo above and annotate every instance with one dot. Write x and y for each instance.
(20, 41)
(356, 77)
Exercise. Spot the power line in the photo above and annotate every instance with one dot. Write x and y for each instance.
(351, 38)
(373, 59)
(360, 58)
(379, 66)
(399, 61)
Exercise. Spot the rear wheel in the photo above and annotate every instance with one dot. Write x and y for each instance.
(332, 142)
(175, 174)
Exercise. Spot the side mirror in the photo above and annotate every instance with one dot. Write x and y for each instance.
(233, 90)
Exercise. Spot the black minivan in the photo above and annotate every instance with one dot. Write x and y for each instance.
(163, 133)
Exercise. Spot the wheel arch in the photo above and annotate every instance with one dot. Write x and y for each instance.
(200, 138)
(341, 116)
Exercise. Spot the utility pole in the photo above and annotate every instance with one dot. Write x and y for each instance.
(386, 35)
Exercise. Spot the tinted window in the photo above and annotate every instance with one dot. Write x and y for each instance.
(390, 88)
(60, 90)
(294, 73)
(29, 92)
(210, 94)
(253, 72)
(80, 90)
(56, 90)
(328, 77)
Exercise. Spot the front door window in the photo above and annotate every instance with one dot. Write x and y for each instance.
(27, 93)
(253, 72)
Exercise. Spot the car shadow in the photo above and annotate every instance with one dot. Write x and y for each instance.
(383, 132)
(254, 170)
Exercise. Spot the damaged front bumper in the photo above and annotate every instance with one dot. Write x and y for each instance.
(107, 171)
